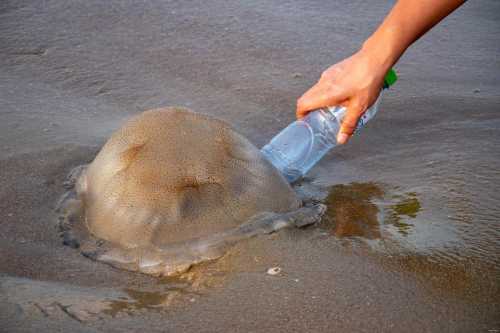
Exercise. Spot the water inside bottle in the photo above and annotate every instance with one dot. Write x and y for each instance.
(325, 128)
(298, 147)
(290, 148)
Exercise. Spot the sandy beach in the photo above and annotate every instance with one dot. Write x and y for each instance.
(411, 239)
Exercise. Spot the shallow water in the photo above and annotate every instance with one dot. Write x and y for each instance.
(366, 211)
(428, 191)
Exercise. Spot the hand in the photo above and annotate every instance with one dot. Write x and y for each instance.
(354, 83)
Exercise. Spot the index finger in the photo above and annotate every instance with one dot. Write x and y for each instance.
(320, 95)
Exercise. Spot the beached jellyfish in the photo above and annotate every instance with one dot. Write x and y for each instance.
(173, 188)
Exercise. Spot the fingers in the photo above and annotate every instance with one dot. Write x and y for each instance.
(320, 95)
(311, 99)
(350, 121)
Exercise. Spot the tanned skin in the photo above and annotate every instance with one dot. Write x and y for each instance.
(356, 82)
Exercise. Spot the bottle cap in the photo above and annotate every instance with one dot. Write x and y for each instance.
(390, 78)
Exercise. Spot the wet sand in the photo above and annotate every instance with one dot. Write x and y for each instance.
(412, 238)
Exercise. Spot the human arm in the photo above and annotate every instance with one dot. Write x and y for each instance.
(356, 81)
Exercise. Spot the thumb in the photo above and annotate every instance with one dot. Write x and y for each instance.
(349, 123)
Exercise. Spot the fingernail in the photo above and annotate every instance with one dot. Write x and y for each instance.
(342, 138)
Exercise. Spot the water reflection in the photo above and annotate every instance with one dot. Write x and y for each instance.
(168, 291)
(139, 300)
(363, 209)
(351, 211)
(394, 223)
(407, 206)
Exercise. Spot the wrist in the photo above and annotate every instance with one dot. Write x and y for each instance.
(384, 48)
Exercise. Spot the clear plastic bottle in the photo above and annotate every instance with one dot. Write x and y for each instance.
(297, 148)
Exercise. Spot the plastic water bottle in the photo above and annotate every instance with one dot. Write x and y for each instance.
(297, 148)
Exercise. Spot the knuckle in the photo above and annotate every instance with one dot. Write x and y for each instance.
(348, 126)
(350, 121)
(300, 103)
(347, 130)
(358, 107)
(331, 86)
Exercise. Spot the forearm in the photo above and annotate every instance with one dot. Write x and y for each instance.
(407, 21)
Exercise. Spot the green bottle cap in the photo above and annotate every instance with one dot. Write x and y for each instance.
(390, 78)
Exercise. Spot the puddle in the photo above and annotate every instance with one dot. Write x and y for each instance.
(365, 210)
(157, 297)
(140, 300)
(401, 231)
